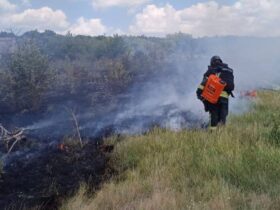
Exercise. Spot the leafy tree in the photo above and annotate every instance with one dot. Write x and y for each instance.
(30, 75)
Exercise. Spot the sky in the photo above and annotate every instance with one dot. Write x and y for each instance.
(199, 18)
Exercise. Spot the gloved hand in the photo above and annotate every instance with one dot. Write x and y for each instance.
(206, 105)
(200, 97)
(198, 94)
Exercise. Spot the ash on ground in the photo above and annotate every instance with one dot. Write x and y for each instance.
(51, 174)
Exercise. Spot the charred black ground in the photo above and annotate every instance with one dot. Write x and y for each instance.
(43, 177)
(42, 171)
(112, 85)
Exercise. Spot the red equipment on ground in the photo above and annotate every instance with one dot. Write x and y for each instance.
(213, 89)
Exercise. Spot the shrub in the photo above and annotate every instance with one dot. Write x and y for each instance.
(275, 130)
(30, 75)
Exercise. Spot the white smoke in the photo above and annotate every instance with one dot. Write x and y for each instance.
(255, 65)
(168, 99)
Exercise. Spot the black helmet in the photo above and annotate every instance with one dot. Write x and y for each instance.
(215, 60)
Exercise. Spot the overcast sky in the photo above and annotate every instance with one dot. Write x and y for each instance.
(148, 17)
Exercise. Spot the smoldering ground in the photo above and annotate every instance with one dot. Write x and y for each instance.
(166, 95)
(163, 96)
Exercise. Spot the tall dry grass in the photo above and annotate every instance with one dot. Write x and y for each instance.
(236, 167)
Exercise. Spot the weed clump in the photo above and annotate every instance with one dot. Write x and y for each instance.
(274, 135)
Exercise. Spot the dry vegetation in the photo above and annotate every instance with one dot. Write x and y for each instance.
(236, 167)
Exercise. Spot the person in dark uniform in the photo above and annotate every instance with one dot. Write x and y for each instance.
(219, 111)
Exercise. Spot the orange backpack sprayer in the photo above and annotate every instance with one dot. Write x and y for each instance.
(213, 89)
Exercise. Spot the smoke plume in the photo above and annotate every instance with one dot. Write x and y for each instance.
(166, 97)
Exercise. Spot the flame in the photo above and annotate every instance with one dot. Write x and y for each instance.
(249, 94)
(61, 147)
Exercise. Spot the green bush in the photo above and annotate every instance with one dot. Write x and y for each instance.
(29, 74)
(275, 130)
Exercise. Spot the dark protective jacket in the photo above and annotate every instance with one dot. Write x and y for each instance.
(226, 74)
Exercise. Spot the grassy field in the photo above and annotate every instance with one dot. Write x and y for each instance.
(235, 167)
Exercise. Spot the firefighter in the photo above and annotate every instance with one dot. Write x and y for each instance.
(218, 111)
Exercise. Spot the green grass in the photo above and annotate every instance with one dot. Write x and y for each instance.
(236, 167)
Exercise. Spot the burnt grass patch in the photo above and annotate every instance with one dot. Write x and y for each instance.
(43, 179)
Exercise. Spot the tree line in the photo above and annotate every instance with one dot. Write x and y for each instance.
(46, 68)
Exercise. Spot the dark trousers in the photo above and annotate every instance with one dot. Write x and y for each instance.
(219, 113)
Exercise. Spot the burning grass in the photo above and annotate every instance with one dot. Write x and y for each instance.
(236, 167)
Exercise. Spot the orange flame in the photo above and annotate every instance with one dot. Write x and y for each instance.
(61, 147)
(249, 94)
